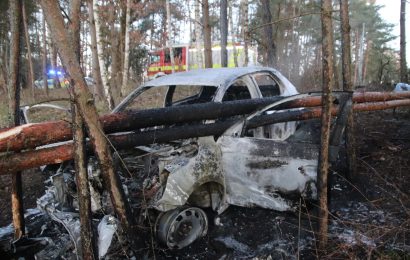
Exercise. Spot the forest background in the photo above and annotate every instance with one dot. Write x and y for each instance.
(116, 37)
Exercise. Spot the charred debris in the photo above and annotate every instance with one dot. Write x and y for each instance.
(175, 161)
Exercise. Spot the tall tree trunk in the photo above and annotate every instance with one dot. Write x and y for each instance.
(347, 84)
(224, 32)
(115, 38)
(96, 71)
(360, 57)
(207, 35)
(366, 58)
(14, 112)
(124, 88)
(75, 25)
(403, 63)
(53, 61)
(88, 245)
(234, 52)
(30, 61)
(356, 55)
(245, 29)
(104, 76)
(89, 114)
(198, 34)
(268, 42)
(328, 83)
(44, 57)
(169, 40)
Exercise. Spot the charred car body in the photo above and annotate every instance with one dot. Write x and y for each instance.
(248, 165)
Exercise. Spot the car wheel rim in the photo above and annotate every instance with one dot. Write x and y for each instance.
(180, 227)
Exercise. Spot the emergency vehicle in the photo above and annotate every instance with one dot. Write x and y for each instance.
(186, 58)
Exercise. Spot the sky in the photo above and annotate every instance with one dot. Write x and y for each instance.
(391, 14)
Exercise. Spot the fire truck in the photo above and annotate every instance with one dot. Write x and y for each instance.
(186, 58)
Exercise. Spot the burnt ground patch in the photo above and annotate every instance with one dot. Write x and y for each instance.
(369, 213)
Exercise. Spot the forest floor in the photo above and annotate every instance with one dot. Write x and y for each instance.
(369, 214)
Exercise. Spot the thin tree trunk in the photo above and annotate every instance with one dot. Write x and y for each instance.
(169, 32)
(328, 82)
(14, 112)
(88, 245)
(96, 71)
(234, 52)
(245, 30)
(224, 32)
(198, 34)
(30, 61)
(115, 38)
(53, 59)
(44, 60)
(348, 85)
(207, 35)
(89, 248)
(403, 62)
(104, 76)
(89, 114)
(75, 25)
(356, 64)
(269, 45)
(366, 58)
(124, 88)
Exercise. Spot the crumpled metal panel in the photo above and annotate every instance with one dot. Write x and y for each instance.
(264, 173)
(203, 168)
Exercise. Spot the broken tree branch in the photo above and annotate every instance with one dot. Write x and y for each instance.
(35, 135)
(57, 154)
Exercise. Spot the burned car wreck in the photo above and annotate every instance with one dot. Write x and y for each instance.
(253, 163)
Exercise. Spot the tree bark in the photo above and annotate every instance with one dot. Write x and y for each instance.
(104, 76)
(207, 35)
(328, 83)
(403, 62)
(224, 32)
(14, 112)
(44, 57)
(198, 32)
(234, 52)
(88, 245)
(245, 30)
(29, 58)
(268, 42)
(124, 88)
(348, 85)
(75, 26)
(53, 59)
(57, 154)
(89, 248)
(96, 71)
(34, 135)
(83, 99)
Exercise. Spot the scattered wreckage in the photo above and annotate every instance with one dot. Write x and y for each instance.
(254, 161)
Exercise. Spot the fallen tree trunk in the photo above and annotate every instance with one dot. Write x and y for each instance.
(33, 135)
(58, 154)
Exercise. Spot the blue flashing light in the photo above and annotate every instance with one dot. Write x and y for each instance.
(52, 72)
(59, 73)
